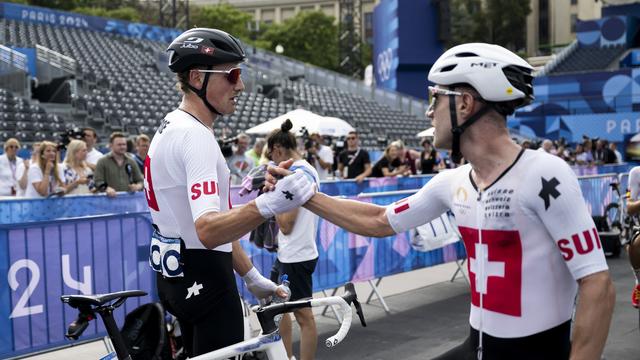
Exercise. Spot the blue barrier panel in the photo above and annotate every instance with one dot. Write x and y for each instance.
(43, 260)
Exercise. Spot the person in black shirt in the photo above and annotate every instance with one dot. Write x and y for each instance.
(390, 164)
(353, 161)
(429, 159)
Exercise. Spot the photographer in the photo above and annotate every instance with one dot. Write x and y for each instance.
(297, 251)
(320, 156)
(116, 171)
(78, 176)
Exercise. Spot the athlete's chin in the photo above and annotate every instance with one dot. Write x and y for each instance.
(441, 144)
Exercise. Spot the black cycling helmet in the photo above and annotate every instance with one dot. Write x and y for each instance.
(204, 47)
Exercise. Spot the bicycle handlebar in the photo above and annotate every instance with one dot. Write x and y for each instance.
(346, 318)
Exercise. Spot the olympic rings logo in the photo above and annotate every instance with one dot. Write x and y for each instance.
(383, 65)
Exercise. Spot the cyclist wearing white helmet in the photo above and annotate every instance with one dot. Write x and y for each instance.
(529, 237)
(194, 249)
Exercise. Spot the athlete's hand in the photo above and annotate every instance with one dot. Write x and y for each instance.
(260, 286)
(276, 172)
(290, 192)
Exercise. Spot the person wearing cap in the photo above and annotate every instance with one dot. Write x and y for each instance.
(531, 243)
(194, 248)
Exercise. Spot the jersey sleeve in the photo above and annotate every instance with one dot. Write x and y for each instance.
(200, 155)
(634, 182)
(556, 198)
(420, 208)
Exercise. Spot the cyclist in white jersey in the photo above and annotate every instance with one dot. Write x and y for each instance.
(633, 208)
(194, 249)
(530, 240)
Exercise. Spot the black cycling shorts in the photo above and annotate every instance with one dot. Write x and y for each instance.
(299, 275)
(552, 344)
(211, 317)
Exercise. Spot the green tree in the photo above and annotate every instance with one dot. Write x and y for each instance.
(310, 36)
(224, 17)
(125, 13)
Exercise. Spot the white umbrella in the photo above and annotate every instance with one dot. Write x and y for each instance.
(427, 133)
(303, 118)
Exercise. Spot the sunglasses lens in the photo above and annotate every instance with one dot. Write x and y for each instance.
(234, 75)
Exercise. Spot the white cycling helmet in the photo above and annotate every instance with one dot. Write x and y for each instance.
(496, 73)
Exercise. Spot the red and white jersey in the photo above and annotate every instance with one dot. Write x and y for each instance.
(528, 237)
(186, 176)
(634, 183)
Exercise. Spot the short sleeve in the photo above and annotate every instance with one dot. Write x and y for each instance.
(200, 156)
(35, 174)
(634, 182)
(326, 154)
(556, 198)
(365, 157)
(420, 208)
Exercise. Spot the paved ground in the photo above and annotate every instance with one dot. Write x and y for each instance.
(429, 315)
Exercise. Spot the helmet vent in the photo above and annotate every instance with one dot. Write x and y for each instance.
(222, 45)
(448, 68)
(466, 54)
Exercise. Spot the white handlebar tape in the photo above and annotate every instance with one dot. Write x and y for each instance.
(346, 318)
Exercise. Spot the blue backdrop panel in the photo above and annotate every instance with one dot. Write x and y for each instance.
(62, 18)
(386, 43)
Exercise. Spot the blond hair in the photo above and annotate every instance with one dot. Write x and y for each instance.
(11, 141)
(72, 149)
(42, 163)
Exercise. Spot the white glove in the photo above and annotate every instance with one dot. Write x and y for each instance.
(291, 192)
(260, 286)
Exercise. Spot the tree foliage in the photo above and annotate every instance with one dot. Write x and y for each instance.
(224, 17)
(310, 36)
(499, 22)
(124, 13)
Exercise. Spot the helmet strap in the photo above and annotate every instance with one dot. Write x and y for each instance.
(457, 130)
(202, 93)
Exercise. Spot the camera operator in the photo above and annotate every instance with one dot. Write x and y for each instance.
(321, 156)
(353, 161)
(297, 251)
(239, 164)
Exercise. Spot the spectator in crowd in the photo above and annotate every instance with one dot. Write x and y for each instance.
(526, 144)
(256, 151)
(45, 176)
(563, 153)
(23, 174)
(614, 147)
(78, 176)
(583, 156)
(390, 164)
(602, 154)
(116, 171)
(93, 155)
(547, 146)
(11, 168)
(407, 156)
(429, 160)
(320, 156)
(354, 162)
(142, 148)
(239, 164)
(297, 251)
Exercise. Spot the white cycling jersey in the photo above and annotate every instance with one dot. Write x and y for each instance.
(634, 183)
(528, 237)
(186, 176)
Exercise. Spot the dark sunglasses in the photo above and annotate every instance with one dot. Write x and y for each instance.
(351, 138)
(12, 147)
(233, 75)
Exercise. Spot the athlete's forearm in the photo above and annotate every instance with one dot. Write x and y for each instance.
(354, 216)
(596, 300)
(241, 262)
(218, 228)
(633, 207)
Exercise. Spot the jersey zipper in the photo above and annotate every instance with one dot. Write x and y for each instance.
(480, 276)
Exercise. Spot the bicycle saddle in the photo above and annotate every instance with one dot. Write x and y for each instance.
(76, 301)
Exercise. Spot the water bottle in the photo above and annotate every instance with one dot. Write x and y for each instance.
(284, 281)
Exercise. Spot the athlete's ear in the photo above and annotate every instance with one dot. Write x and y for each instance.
(195, 78)
(467, 105)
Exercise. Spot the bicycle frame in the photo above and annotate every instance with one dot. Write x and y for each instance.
(271, 342)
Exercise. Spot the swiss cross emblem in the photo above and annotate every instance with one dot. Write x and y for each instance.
(499, 257)
(206, 50)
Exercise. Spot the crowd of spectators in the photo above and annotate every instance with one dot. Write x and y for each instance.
(74, 167)
(86, 170)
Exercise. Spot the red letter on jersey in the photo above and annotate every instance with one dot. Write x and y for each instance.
(148, 185)
(205, 187)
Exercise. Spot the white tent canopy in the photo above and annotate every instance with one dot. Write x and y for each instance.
(427, 133)
(302, 118)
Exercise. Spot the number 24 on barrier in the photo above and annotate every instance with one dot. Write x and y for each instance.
(21, 309)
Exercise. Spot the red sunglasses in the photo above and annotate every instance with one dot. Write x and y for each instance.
(233, 75)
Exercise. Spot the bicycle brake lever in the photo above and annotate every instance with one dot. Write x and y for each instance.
(356, 303)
